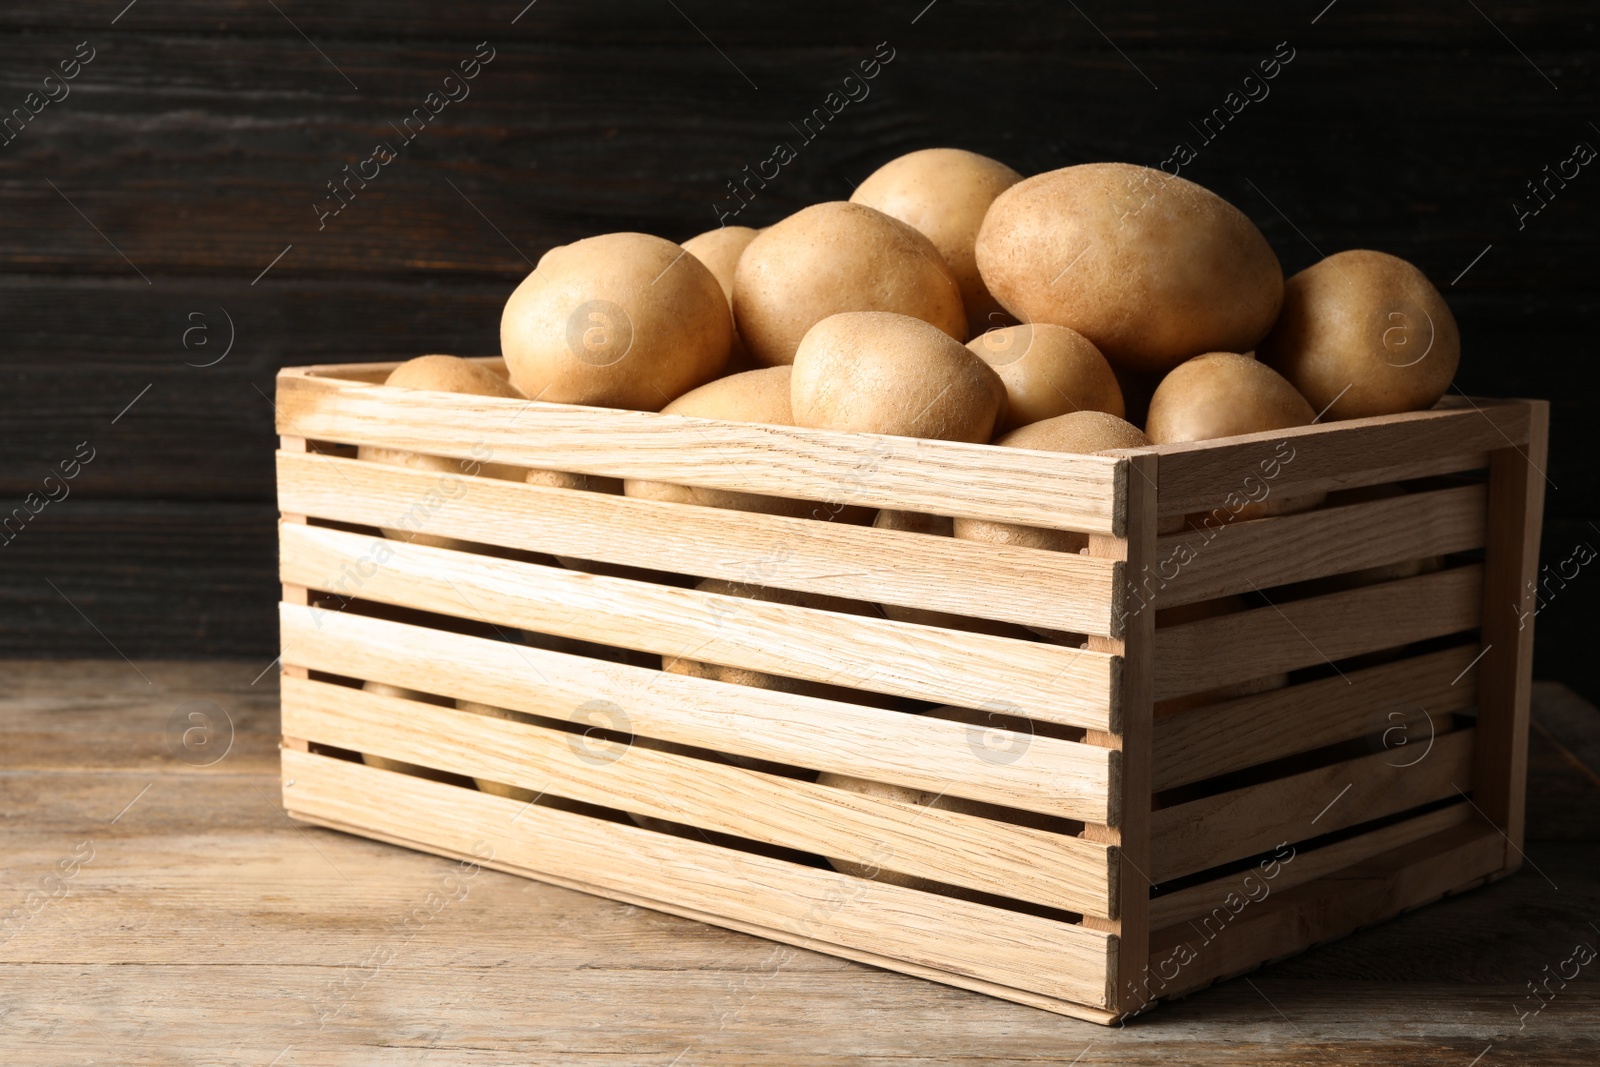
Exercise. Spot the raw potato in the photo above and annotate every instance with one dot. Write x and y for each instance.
(1366, 333)
(938, 526)
(878, 372)
(1210, 609)
(837, 257)
(1223, 394)
(760, 396)
(720, 250)
(1082, 432)
(944, 193)
(622, 320)
(384, 689)
(499, 789)
(1153, 269)
(1048, 370)
(448, 374)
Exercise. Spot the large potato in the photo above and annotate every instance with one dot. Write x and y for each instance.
(1048, 370)
(836, 257)
(882, 373)
(622, 320)
(1153, 269)
(1082, 432)
(944, 193)
(755, 396)
(1364, 333)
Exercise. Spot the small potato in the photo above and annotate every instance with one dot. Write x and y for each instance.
(832, 258)
(938, 526)
(1082, 432)
(1364, 333)
(384, 689)
(447, 374)
(499, 789)
(876, 372)
(1151, 268)
(622, 320)
(720, 250)
(1223, 394)
(760, 396)
(944, 194)
(1048, 371)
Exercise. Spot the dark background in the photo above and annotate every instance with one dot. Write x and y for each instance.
(201, 134)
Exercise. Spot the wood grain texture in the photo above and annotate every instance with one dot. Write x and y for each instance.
(1199, 476)
(208, 922)
(1510, 587)
(1006, 948)
(1021, 585)
(1222, 559)
(1049, 775)
(1193, 836)
(1257, 642)
(950, 847)
(940, 477)
(1039, 681)
(1230, 735)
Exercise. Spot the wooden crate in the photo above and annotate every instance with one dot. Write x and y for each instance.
(1361, 751)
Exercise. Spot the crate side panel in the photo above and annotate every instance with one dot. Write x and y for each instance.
(1047, 775)
(1020, 585)
(1057, 959)
(1036, 680)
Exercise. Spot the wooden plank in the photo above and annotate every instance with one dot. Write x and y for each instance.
(1131, 741)
(1036, 680)
(1219, 560)
(1242, 822)
(1007, 948)
(1020, 585)
(1048, 775)
(1214, 739)
(1205, 898)
(941, 477)
(1197, 476)
(1332, 906)
(1505, 676)
(1005, 859)
(1202, 655)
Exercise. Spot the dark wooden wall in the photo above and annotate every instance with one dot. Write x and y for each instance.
(138, 214)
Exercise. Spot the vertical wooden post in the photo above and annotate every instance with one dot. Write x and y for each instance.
(293, 594)
(1133, 738)
(1505, 673)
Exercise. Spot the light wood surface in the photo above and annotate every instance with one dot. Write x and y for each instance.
(1049, 775)
(210, 929)
(1058, 590)
(1042, 681)
(1045, 868)
(940, 477)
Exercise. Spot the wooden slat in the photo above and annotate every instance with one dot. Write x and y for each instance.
(1218, 829)
(1131, 741)
(1202, 655)
(1051, 776)
(1305, 866)
(1033, 679)
(940, 477)
(1197, 476)
(1220, 560)
(1009, 948)
(1384, 886)
(965, 850)
(1026, 586)
(1505, 676)
(1214, 739)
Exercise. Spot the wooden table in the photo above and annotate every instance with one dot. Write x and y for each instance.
(170, 913)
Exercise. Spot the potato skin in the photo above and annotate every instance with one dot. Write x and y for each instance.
(1222, 394)
(1151, 268)
(1082, 432)
(1368, 321)
(1048, 370)
(837, 257)
(623, 320)
(876, 372)
(944, 193)
(451, 374)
